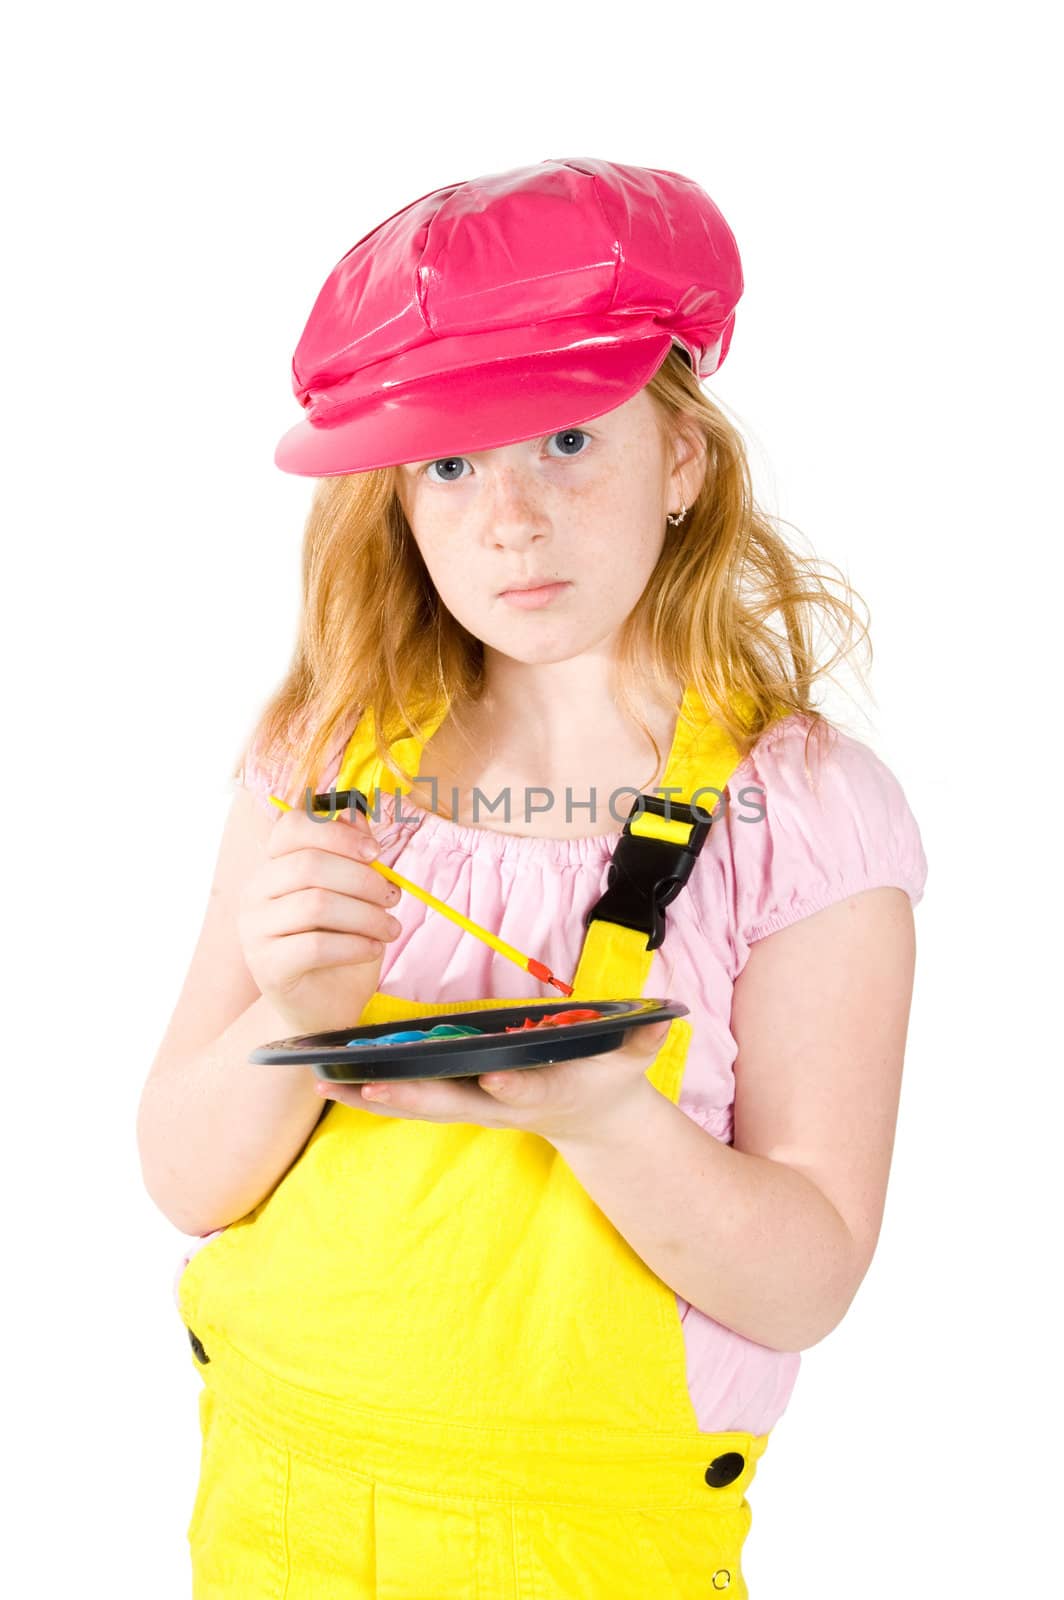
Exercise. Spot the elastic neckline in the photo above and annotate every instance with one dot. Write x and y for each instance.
(467, 840)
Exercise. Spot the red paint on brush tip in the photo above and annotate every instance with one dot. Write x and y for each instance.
(545, 975)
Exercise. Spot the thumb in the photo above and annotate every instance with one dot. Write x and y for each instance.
(650, 1039)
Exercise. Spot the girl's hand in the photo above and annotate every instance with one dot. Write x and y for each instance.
(565, 1100)
(313, 920)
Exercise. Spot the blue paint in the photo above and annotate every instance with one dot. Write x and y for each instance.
(443, 1030)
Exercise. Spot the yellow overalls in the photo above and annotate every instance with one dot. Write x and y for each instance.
(433, 1369)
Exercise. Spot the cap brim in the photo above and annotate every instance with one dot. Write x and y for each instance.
(474, 408)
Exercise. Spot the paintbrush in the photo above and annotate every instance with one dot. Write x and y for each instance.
(344, 799)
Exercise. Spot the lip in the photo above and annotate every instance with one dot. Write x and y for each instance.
(529, 598)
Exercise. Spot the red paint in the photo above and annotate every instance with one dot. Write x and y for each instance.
(558, 1020)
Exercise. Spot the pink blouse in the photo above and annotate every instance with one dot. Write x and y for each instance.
(779, 850)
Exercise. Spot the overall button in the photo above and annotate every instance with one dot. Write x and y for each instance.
(197, 1349)
(721, 1578)
(724, 1469)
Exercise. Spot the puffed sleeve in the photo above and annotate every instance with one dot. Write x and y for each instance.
(265, 774)
(800, 842)
(263, 777)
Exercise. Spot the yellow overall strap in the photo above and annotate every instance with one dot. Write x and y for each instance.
(655, 856)
(362, 768)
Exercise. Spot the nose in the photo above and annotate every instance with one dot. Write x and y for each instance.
(515, 510)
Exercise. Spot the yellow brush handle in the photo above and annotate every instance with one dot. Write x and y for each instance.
(448, 911)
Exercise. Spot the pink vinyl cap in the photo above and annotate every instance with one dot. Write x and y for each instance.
(509, 306)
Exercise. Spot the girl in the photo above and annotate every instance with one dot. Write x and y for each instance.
(524, 1336)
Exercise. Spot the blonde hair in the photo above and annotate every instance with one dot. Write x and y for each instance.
(730, 609)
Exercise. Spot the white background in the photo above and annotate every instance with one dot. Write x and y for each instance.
(180, 180)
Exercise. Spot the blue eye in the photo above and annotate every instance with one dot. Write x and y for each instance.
(445, 461)
(449, 463)
(570, 434)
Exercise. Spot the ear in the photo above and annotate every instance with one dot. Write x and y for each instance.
(690, 462)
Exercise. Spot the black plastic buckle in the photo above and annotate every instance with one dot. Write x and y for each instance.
(334, 800)
(647, 874)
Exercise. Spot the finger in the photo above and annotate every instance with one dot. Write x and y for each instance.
(347, 1094)
(446, 1099)
(438, 1100)
(355, 1094)
(523, 1087)
(327, 870)
(331, 853)
(331, 877)
(347, 833)
(314, 910)
(501, 1084)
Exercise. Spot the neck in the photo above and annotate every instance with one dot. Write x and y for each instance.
(561, 724)
(560, 702)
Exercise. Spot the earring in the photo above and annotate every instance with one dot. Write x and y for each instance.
(676, 519)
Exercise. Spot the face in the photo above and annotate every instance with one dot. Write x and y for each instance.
(583, 507)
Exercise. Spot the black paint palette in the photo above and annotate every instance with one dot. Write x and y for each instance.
(463, 1044)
